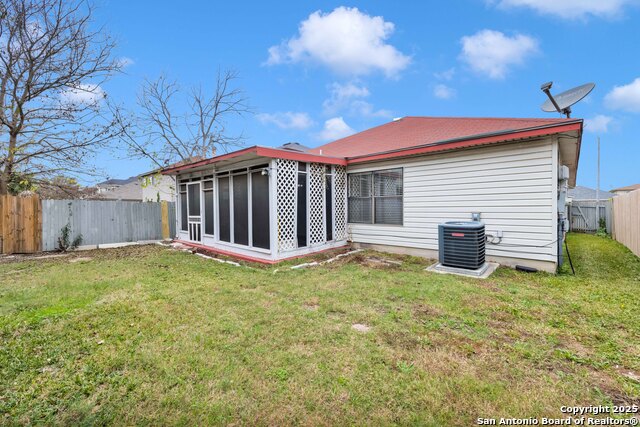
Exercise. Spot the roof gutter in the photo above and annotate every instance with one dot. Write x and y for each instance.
(274, 153)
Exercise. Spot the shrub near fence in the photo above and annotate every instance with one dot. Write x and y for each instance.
(626, 220)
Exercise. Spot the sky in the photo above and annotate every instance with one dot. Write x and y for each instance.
(318, 71)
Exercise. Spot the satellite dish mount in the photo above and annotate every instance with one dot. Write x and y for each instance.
(562, 102)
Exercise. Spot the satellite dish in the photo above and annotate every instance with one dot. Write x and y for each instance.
(562, 102)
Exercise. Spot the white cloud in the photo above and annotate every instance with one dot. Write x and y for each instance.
(287, 120)
(349, 97)
(365, 109)
(342, 95)
(346, 40)
(492, 53)
(335, 128)
(626, 97)
(87, 94)
(444, 92)
(446, 74)
(598, 124)
(124, 62)
(570, 9)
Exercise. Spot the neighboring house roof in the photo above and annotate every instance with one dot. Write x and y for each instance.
(129, 191)
(586, 193)
(111, 182)
(627, 188)
(294, 146)
(187, 161)
(410, 132)
(413, 136)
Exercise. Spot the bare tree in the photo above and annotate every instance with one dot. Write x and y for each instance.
(174, 125)
(52, 65)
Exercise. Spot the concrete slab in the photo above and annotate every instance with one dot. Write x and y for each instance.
(482, 273)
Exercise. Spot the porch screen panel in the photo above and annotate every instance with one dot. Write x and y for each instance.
(360, 200)
(301, 215)
(193, 192)
(340, 202)
(183, 207)
(224, 216)
(328, 188)
(388, 196)
(208, 208)
(286, 189)
(260, 210)
(240, 210)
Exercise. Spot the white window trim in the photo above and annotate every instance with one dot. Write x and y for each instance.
(373, 197)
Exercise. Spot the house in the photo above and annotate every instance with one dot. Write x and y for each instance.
(119, 189)
(157, 187)
(580, 193)
(387, 188)
(625, 190)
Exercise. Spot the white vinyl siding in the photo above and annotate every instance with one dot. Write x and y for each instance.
(511, 185)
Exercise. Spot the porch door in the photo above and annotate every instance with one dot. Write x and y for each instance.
(193, 209)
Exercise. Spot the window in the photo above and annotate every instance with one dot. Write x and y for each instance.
(360, 200)
(376, 197)
(387, 195)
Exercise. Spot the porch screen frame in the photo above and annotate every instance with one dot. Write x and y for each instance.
(247, 171)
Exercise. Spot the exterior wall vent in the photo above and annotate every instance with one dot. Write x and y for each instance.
(462, 244)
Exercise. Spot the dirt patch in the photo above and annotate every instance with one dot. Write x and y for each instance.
(80, 259)
(312, 304)
(6, 259)
(489, 284)
(361, 327)
(370, 260)
(612, 389)
(401, 340)
(424, 311)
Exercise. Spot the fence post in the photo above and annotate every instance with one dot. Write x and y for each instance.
(165, 220)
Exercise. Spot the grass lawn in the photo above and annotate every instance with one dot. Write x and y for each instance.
(147, 335)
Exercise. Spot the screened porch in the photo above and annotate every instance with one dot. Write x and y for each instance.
(265, 209)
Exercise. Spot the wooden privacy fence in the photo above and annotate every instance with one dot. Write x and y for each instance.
(626, 220)
(29, 225)
(20, 224)
(583, 215)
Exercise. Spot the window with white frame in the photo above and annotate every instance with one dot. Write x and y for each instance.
(376, 197)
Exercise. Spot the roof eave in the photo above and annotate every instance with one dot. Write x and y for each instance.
(259, 151)
(464, 142)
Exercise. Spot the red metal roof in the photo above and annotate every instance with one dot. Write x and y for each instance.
(411, 132)
(410, 136)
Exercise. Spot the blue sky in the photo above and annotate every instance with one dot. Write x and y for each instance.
(318, 70)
